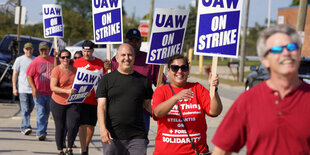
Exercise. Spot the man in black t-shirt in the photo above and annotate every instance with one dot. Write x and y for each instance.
(121, 95)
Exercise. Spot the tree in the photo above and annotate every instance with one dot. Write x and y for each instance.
(189, 39)
(7, 23)
(296, 2)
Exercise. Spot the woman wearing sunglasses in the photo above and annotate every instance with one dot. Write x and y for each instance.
(64, 113)
(194, 102)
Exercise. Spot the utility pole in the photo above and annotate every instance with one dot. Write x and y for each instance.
(301, 19)
(18, 28)
(302, 13)
(244, 36)
(151, 20)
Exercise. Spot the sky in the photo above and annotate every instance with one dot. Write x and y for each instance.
(258, 8)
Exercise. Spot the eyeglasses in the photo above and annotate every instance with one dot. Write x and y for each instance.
(175, 68)
(278, 49)
(76, 57)
(63, 57)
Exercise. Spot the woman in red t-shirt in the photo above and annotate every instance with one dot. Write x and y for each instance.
(194, 102)
(64, 114)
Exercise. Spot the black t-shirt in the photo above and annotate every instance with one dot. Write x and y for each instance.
(125, 97)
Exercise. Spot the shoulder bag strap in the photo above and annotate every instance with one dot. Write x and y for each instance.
(193, 146)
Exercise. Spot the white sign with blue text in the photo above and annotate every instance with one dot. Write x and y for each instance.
(52, 21)
(107, 21)
(85, 80)
(167, 36)
(218, 28)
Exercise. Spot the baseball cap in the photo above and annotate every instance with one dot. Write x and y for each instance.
(88, 45)
(43, 45)
(133, 33)
(28, 45)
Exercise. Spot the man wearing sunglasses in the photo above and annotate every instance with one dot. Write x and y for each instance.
(273, 117)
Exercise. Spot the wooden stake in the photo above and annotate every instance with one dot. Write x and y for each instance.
(213, 71)
(55, 51)
(109, 54)
(200, 63)
(190, 57)
(160, 75)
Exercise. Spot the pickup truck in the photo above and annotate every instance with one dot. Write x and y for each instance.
(99, 52)
(7, 57)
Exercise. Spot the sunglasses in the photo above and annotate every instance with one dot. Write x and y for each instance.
(63, 57)
(76, 57)
(278, 49)
(175, 68)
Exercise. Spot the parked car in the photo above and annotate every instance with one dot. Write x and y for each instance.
(99, 52)
(6, 58)
(259, 73)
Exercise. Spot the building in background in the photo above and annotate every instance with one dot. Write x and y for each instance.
(288, 15)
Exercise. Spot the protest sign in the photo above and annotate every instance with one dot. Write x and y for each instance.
(84, 82)
(107, 21)
(217, 28)
(52, 21)
(167, 36)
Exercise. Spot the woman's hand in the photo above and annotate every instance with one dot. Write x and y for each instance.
(184, 94)
(71, 91)
(213, 82)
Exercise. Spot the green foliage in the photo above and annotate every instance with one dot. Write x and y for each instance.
(296, 2)
(189, 39)
(7, 23)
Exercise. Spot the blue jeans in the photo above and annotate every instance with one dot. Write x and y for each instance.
(43, 112)
(26, 107)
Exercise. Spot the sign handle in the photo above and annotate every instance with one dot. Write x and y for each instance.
(109, 54)
(55, 51)
(190, 57)
(160, 75)
(213, 71)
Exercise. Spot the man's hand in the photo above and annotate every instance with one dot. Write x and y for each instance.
(105, 136)
(107, 65)
(15, 92)
(35, 93)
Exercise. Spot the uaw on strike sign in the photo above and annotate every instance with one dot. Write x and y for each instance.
(217, 28)
(167, 36)
(107, 21)
(52, 21)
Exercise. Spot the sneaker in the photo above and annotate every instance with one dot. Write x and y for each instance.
(27, 131)
(61, 153)
(41, 137)
(69, 152)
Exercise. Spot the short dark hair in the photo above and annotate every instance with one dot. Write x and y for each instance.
(178, 56)
(63, 51)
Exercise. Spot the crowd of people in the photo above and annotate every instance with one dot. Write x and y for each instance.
(271, 118)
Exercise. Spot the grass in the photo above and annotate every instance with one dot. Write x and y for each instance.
(223, 62)
(224, 81)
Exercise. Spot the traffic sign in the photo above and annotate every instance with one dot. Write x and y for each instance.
(144, 29)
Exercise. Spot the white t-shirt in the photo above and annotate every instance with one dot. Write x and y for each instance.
(20, 66)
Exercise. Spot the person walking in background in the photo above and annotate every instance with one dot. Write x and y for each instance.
(38, 76)
(64, 114)
(272, 117)
(89, 107)
(133, 38)
(23, 90)
(194, 103)
(121, 95)
(77, 55)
